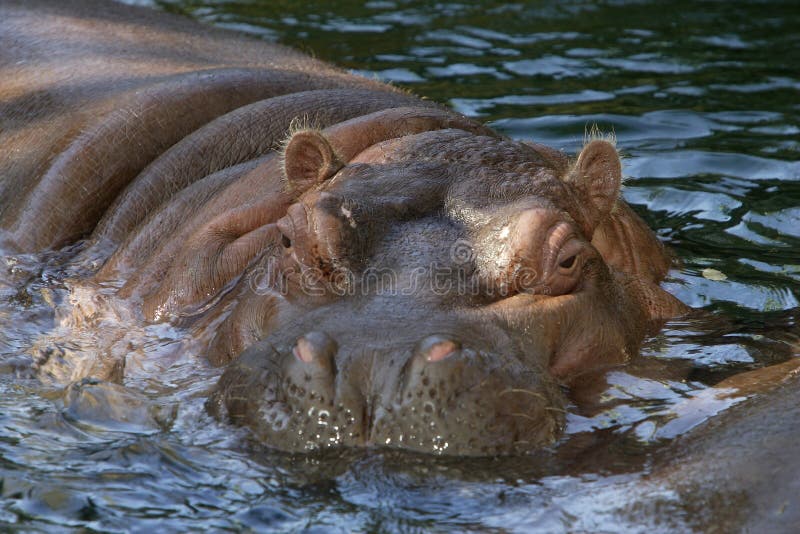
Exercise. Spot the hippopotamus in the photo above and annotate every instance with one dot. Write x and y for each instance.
(371, 268)
(736, 473)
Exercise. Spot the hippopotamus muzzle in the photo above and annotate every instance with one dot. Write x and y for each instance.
(438, 386)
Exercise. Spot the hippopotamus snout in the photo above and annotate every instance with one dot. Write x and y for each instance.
(446, 391)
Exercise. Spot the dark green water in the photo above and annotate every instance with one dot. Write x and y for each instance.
(704, 98)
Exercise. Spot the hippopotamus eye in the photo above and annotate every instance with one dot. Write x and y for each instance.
(569, 263)
(542, 252)
(320, 230)
(564, 273)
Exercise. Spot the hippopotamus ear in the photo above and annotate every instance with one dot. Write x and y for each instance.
(309, 159)
(597, 175)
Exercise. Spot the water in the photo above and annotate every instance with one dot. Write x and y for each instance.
(704, 100)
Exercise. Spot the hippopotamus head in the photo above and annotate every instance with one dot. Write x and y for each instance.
(434, 292)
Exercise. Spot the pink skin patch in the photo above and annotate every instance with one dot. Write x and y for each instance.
(441, 350)
(304, 350)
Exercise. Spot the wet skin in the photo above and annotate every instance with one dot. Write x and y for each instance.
(373, 269)
(506, 296)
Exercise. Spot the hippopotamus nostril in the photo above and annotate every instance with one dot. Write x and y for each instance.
(436, 348)
(316, 348)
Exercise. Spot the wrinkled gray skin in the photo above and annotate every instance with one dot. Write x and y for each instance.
(169, 148)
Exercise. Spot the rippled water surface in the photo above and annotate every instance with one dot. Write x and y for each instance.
(704, 98)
